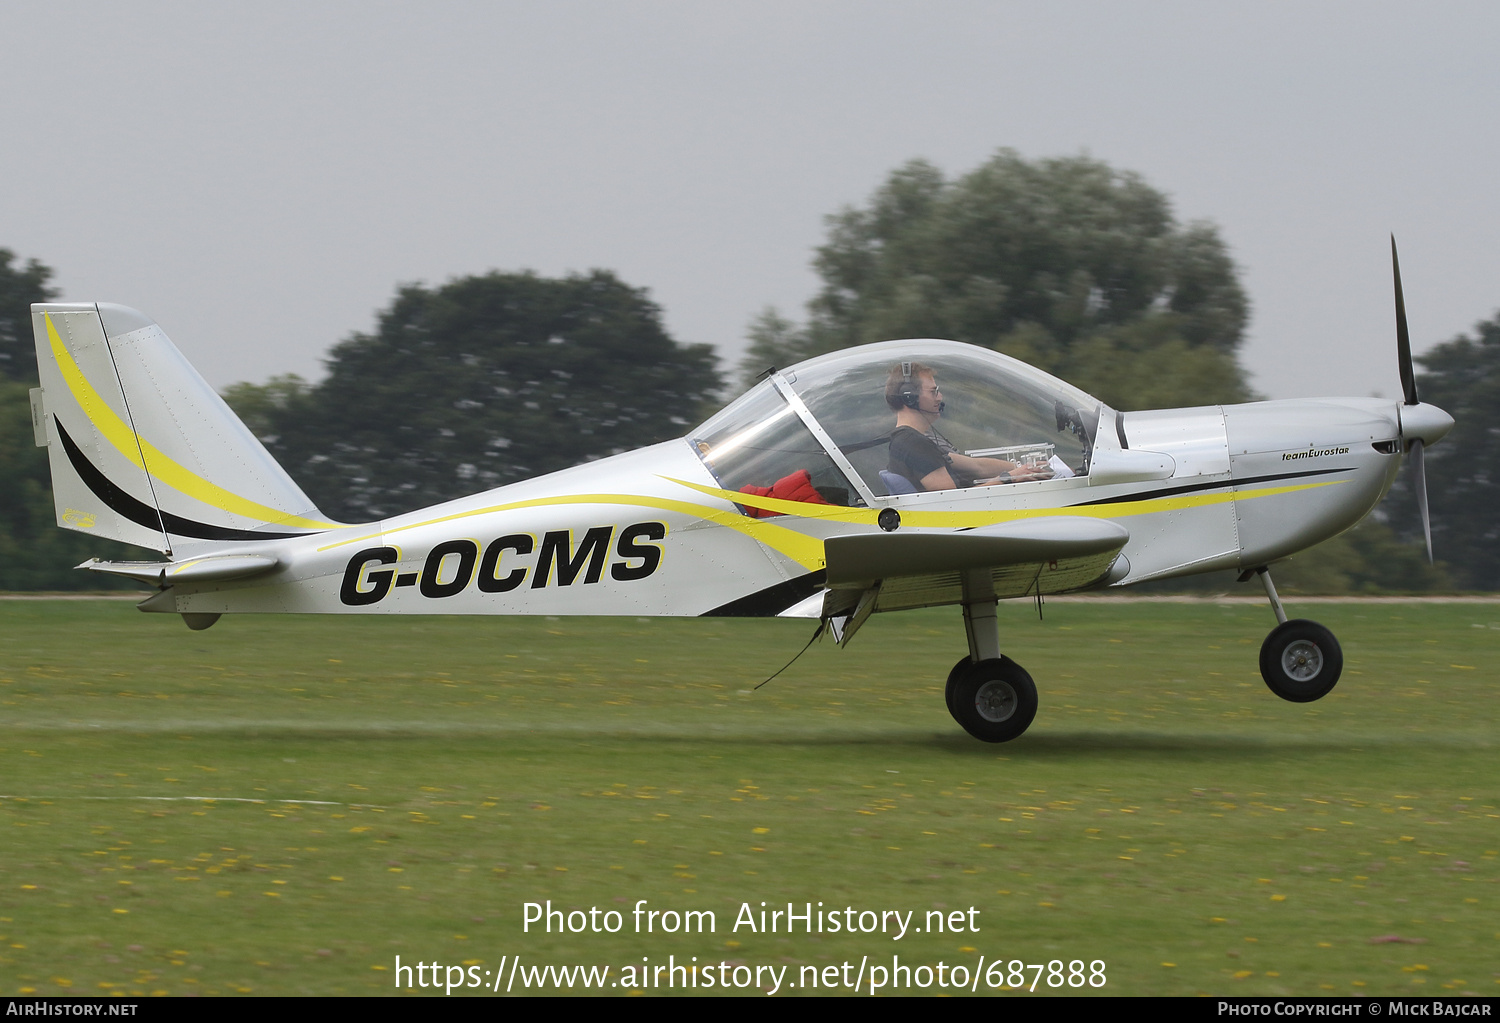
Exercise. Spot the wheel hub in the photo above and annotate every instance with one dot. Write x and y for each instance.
(1302, 660)
(995, 701)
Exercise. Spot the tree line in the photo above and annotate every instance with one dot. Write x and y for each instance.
(1068, 264)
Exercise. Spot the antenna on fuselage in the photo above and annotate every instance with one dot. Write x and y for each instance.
(822, 624)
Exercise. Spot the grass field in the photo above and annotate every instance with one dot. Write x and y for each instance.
(1165, 814)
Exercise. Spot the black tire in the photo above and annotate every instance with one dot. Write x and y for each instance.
(1301, 661)
(952, 678)
(995, 700)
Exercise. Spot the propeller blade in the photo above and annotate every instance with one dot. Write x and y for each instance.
(1403, 336)
(1419, 483)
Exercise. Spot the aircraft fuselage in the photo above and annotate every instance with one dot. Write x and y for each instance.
(649, 532)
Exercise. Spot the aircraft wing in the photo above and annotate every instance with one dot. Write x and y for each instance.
(915, 568)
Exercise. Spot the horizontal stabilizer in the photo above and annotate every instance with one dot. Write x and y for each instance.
(216, 568)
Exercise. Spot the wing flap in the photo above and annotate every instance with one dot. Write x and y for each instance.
(856, 561)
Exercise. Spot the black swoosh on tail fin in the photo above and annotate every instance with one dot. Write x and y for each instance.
(141, 513)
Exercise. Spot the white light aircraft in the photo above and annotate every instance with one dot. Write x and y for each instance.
(796, 500)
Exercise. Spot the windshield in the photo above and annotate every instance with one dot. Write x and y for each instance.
(760, 447)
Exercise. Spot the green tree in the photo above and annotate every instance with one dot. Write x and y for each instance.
(19, 287)
(264, 407)
(484, 381)
(1068, 264)
(1462, 376)
(1370, 558)
(774, 341)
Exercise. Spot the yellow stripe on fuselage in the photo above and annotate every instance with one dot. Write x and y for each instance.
(1146, 505)
(807, 551)
(144, 455)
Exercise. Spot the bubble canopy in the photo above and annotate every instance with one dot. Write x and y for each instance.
(831, 417)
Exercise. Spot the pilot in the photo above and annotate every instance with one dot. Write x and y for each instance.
(924, 456)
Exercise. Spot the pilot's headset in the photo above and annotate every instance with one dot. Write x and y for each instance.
(909, 391)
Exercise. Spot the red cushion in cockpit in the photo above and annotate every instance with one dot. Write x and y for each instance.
(796, 487)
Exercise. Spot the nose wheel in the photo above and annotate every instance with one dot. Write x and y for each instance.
(1301, 661)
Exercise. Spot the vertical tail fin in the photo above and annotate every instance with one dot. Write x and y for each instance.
(141, 448)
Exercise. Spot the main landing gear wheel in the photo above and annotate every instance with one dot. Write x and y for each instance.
(958, 670)
(995, 700)
(1300, 661)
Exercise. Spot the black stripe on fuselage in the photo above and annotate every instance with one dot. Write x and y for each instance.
(141, 513)
(1149, 495)
(771, 601)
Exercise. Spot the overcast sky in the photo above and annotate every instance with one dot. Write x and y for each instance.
(260, 177)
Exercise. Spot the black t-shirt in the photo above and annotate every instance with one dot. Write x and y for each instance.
(914, 455)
